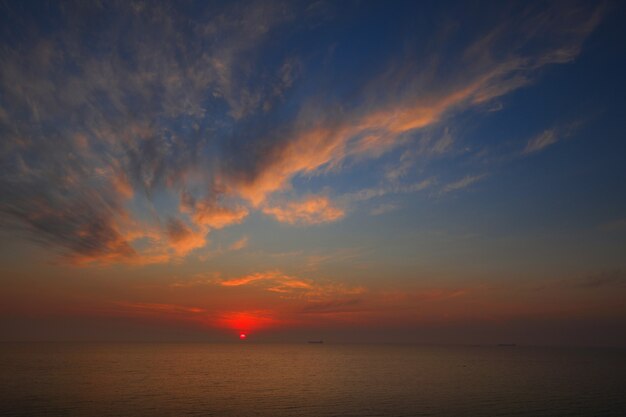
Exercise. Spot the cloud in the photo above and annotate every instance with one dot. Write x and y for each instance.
(543, 140)
(551, 136)
(84, 223)
(182, 238)
(281, 282)
(366, 194)
(289, 285)
(125, 122)
(405, 99)
(209, 213)
(239, 244)
(310, 210)
(384, 208)
(103, 125)
(462, 183)
(307, 150)
(336, 255)
(219, 217)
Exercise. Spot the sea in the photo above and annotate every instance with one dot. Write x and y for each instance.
(252, 379)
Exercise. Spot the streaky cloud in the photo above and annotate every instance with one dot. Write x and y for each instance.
(464, 182)
(314, 209)
(102, 123)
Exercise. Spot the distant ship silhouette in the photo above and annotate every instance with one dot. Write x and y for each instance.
(316, 341)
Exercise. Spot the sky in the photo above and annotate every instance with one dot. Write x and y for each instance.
(354, 171)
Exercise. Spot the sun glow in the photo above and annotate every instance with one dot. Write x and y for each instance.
(245, 321)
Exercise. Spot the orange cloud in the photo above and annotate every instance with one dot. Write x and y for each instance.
(217, 217)
(399, 101)
(208, 213)
(277, 282)
(306, 152)
(311, 210)
(275, 276)
(328, 144)
(182, 239)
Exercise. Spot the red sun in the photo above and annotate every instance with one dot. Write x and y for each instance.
(242, 336)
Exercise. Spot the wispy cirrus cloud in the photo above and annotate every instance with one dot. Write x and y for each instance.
(388, 188)
(290, 285)
(551, 136)
(543, 140)
(99, 135)
(279, 282)
(384, 208)
(82, 143)
(312, 209)
(464, 182)
(239, 244)
(84, 222)
(401, 101)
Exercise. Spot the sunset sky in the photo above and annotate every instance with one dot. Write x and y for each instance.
(433, 172)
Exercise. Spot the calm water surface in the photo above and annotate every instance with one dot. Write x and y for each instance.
(308, 380)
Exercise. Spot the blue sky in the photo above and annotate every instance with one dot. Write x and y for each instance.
(314, 165)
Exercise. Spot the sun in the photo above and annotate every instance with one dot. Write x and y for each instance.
(242, 336)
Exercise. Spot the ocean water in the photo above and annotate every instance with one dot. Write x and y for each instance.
(249, 379)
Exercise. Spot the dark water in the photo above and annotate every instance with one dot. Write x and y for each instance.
(308, 380)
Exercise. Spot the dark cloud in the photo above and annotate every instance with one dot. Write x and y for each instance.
(82, 222)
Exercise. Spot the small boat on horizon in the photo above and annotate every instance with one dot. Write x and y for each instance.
(315, 342)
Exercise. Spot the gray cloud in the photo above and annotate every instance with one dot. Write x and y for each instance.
(81, 221)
